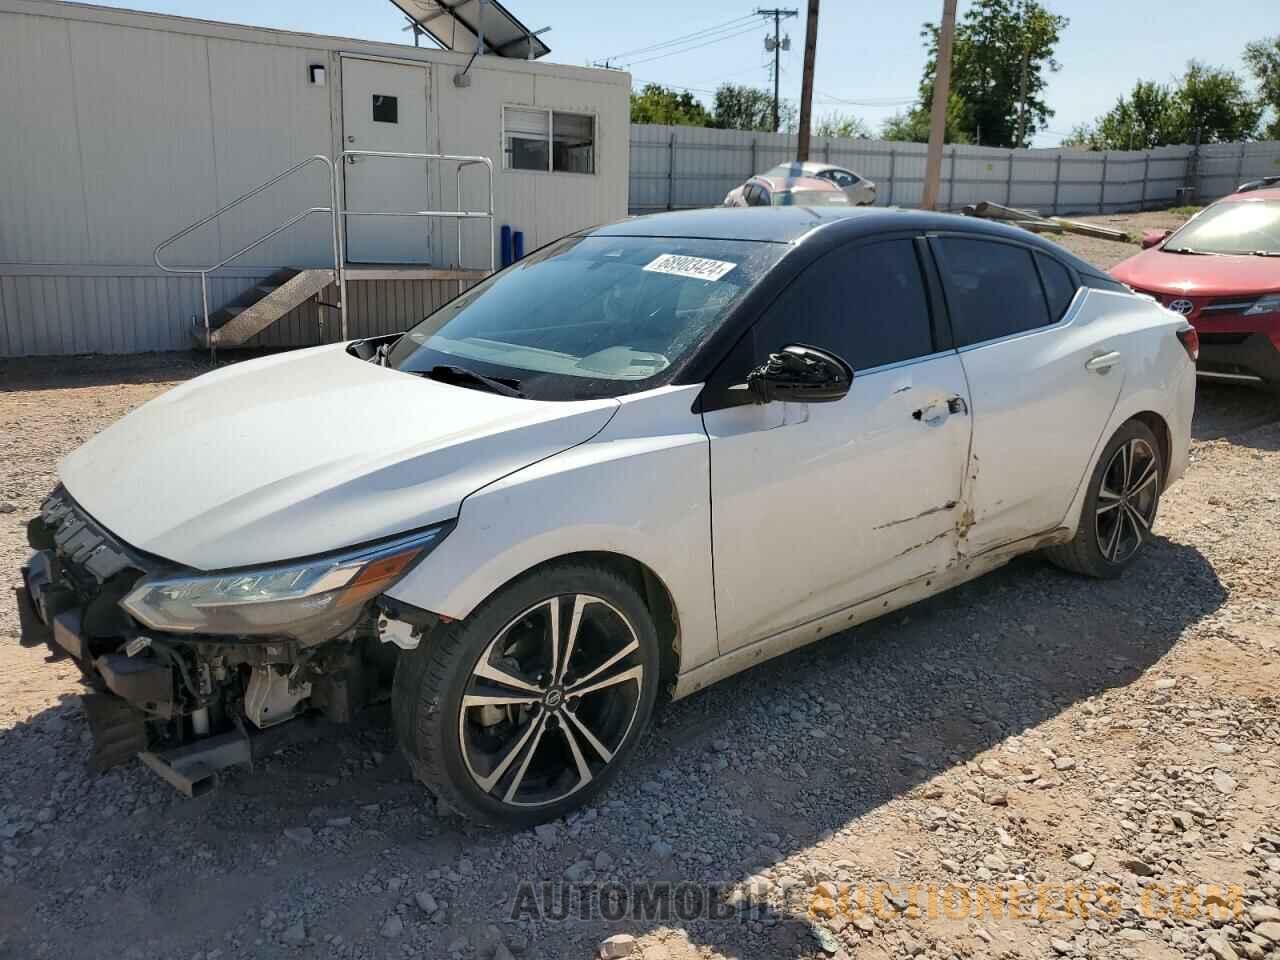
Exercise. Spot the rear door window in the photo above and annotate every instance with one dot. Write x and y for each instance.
(866, 303)
(992, 289)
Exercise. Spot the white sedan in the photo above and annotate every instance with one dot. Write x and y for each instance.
(635, 462)
(787, 177)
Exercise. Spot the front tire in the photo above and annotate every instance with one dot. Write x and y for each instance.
(526, 709)
(1119, 508)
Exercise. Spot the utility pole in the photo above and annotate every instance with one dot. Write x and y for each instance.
(938, 116)
(806, 84)
(1022, 83)
(776, 44)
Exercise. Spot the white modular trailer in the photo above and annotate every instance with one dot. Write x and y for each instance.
(119, 129)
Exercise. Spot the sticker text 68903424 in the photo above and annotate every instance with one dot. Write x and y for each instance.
(699, 268)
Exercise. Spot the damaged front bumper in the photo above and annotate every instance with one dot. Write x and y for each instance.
(188, 705)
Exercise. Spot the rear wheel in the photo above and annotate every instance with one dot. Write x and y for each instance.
(1119, 508)
(527, 708)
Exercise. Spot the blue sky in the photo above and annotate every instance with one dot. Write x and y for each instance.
(869, 54)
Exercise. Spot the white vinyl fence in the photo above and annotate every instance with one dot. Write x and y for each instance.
(674, 168)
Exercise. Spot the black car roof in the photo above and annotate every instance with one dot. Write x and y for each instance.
(792, 225)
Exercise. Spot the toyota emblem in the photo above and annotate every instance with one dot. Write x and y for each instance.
(1183, 307)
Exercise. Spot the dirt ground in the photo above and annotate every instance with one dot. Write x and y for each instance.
(1032, 765)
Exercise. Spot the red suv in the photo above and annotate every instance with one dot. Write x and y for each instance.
(1221, 270)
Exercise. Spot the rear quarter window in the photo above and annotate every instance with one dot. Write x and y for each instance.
(1059, 288)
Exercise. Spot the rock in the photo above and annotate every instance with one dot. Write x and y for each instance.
(466, 867)
(1269, 930)
(619, 945)
(995, 862)
(500, 952)
(426, 902)
(392, 927)
(1223, 782)
(7, 507)
(577, 871)
(826, 940)
(1061, 946)
(719, 746)
(661, 849)
(603, 861)
(1220, 948)
(295, 934)
(1264, 913)
(302, 836)
(1064, 763)
(1166, 683)
(1183, 821)
(45, 815)
(1083, 860)
(652, 787)
(1139, 867)
(338, 822)
(865, 924)
(547, 834)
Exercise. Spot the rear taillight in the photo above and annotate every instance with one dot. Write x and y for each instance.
(1190, 342)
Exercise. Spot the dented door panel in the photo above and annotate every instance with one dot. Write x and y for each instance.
(1039, 411)
(816, 507)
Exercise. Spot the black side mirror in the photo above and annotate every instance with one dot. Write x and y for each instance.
(800, 374)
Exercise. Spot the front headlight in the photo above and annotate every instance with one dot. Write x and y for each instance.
(1267, 304)
(305, 600)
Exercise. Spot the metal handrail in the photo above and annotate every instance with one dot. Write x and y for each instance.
(204, 272)
(337, 214)
(459, 215)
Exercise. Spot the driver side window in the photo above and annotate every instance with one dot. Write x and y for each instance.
(866, 303)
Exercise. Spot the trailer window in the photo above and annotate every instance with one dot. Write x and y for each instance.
(548, 140)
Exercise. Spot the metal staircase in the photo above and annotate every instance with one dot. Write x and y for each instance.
(260, 306)
(270, 299)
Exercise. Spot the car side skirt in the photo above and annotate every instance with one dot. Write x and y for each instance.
(863, 611)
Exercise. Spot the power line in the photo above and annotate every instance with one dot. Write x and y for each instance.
(677, 40)
(706, 43)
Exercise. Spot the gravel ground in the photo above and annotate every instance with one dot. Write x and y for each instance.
(1101, 755)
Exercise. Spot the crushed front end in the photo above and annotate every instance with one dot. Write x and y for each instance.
(196, 671)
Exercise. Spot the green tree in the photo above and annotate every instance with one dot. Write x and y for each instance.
(1146, 118)
(740, 107)
(1001, 56)
(1216, 102)
(913, 125)
(658, 104)
(1263, 58)
(842, 125)
(1209, 99)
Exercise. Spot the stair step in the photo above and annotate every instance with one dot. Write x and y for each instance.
(261, 304)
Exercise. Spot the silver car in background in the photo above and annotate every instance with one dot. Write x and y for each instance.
(860, 191)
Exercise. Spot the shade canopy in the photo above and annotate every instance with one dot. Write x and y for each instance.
(456, 25)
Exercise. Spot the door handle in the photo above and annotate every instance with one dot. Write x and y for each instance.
(1103, 362)
(933, 413)
(939, 410)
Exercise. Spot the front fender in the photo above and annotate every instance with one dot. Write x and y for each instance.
(640, 488)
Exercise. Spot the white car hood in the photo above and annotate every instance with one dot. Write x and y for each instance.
(305, 453)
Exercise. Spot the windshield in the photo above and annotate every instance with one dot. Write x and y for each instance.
(589, 316)
(1238, 226)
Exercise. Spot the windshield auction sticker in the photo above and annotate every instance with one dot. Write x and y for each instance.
(696, 267)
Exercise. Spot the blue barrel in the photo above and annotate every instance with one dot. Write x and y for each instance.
(517, 245)
(505, 233)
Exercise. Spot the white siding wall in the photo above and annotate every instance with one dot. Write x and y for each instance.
(118, 129)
